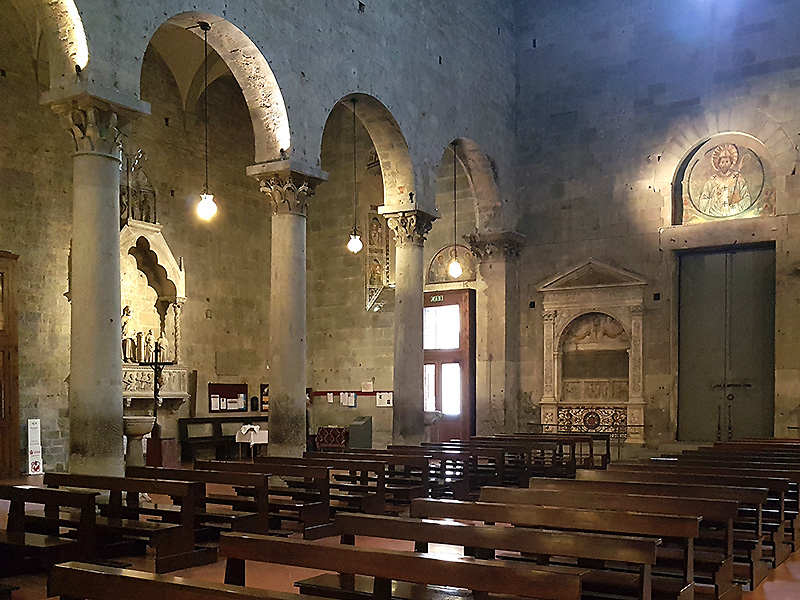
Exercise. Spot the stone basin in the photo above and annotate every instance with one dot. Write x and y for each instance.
(133, 425)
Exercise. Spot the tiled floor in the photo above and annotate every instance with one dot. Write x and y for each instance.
(782, 584)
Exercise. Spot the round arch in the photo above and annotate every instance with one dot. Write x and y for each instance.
(271, 131)
(390, 146)
(59, 23)
(482, 181)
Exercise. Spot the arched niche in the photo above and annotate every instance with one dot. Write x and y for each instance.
(439, 264)
(592, 346)
(154, 285)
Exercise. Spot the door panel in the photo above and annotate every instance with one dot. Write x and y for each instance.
(726, 344)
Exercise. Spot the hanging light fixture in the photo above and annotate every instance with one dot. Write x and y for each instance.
(206, 208)
(454, 269)
(355, 244)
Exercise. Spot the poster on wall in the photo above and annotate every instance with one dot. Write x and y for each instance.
(227, 397)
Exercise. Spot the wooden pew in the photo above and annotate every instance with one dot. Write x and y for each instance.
(549, 547)
(449, 470)
(308, 506)
(407, 475)
(774, 520)
(174, 543)
(550, 455)
(81, 581)
(749, 566)
(386, 566)
(593, 450)
(38, 540)
(713, 549)
(253, 521)
(680, 531)
(364, 489)
(753, 465)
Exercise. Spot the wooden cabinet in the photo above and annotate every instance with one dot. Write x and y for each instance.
(9, 369)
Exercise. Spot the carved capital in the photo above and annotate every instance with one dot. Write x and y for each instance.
(94, 130)
(287, 193)
(410, 227)
(549, 316)
(505, 245)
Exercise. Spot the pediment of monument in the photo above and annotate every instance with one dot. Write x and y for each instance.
(591, 274)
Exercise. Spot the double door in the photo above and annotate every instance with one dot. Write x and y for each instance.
(726, 369)
(9, 386)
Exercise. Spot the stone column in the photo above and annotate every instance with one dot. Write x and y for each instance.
(410, 228)
(497, 335)
(95, 380)
(288, 186)
(176, 313)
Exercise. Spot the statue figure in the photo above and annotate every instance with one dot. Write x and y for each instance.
(163, 346)
(725, 193)
(128, 343)
(148, 346)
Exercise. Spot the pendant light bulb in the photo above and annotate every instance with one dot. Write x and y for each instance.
(206, 208)
(455, 269)
(355, 244)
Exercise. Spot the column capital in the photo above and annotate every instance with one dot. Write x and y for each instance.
(289, 184)
(95, 128)
(409, 226)
(503, 245)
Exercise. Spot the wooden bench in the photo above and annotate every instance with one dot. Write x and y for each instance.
(755, 466)
(307, 507)
(449, 470)
(385, 566)
(407, 475)
(713, 548)
(775, 522)
(749, 566)
(6, 591)
(679, 531)
(217, 435)
(210, 511)
(593, 450)
(356, 483)
(37, 541)
(174, 543)
(548, 455)
(81, 581)
(546, 547)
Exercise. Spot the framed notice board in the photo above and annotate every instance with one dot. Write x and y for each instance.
(227, 397)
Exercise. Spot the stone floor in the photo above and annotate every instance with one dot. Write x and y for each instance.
(782, 584)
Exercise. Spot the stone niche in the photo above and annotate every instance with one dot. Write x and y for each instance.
(153, 293)
(593, 351)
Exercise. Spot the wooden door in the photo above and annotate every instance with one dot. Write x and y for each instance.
(726, 370)
(9, 378)
(449, 370)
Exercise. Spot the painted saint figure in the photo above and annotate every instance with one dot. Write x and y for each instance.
(725, 193)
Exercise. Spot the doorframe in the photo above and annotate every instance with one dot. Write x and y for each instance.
(11, 333)
(462, 296)
(716, 237)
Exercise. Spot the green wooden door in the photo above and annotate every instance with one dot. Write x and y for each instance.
(726, 369)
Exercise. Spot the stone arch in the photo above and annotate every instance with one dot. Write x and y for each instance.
(390, 145)
(155, 259)
(271, 131)
(59, 24)
(483, 183)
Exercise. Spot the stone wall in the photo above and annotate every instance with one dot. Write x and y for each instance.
(611, 96)
(444, 71)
